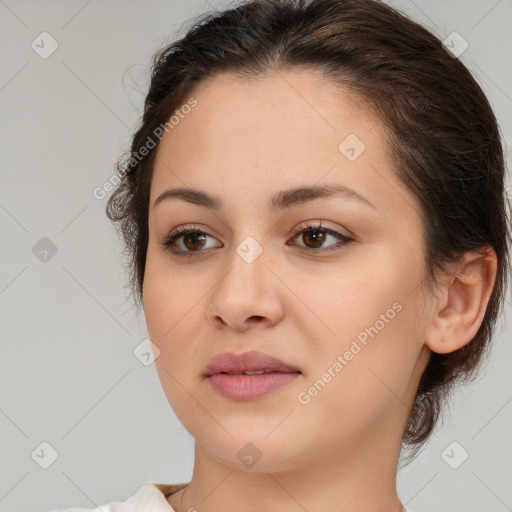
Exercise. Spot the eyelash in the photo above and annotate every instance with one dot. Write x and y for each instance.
(171, 239)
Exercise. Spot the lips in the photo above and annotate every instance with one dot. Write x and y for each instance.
(248, 363)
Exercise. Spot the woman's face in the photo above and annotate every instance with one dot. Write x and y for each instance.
(348, 315)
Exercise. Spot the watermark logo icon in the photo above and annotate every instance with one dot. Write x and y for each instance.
(44, 455)
(249, 249)
(454, 455)
(44, 45)
(455, 44)
(249, 454)
(146, 352)
(44, 250)
(351, 147)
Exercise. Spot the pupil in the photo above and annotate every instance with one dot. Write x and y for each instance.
(318, 238)
(194, 237)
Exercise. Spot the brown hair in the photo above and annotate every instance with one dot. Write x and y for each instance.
(442, 136)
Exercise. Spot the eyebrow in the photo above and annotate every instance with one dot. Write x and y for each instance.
(282, 200)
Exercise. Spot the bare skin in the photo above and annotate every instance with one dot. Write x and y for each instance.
(301, 301)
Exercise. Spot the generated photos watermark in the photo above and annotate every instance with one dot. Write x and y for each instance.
(361, 341)
(151, 142)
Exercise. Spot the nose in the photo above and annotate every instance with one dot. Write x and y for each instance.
(246, 296)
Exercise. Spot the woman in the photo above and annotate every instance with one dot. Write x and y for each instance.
(314, 211)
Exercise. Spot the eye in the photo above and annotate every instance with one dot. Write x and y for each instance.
(314, 236)
(190, 240)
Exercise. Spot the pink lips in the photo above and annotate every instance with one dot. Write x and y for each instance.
(226, 374)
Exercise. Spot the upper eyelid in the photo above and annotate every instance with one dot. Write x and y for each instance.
(180, 230)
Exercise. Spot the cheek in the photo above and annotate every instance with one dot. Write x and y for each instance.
(168, 303)
(368, 314)
(166, 295)
(342, 302)
(169, 308)
(174, 307)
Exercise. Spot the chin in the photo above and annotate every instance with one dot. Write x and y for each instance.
(253, 454)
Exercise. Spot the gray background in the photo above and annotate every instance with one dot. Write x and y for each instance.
(69, 376)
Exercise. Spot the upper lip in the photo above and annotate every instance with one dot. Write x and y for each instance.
(229, 362)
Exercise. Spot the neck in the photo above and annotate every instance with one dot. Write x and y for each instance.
(357, 476)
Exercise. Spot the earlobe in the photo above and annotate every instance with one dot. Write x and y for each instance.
(458, 316)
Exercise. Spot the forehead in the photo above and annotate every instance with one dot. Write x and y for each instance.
(290, 104)
(274, 132)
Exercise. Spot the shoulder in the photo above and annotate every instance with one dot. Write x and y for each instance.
(152, 496)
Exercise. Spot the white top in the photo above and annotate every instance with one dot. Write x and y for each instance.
(149, 498)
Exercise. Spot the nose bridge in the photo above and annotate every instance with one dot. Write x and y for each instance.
(246, 268)
(245, 290)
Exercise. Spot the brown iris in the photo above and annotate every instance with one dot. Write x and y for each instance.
(194, 241)
(317, 236)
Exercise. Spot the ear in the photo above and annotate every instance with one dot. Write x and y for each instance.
(461, 305)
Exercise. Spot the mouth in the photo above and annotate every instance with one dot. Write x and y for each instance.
(250, 372)
(250, 386)
(247, 363)
(249, 375)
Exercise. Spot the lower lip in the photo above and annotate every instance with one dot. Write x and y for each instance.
(249, 387)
